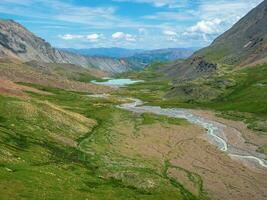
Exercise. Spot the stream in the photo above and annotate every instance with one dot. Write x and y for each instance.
(215, 130)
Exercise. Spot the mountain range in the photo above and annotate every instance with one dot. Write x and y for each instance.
(138, 55)
(113, 52)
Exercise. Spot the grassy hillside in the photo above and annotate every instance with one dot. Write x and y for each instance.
(247, 99)
(249, 93)
(64, 76)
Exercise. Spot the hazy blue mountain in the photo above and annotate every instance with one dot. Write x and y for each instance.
(138, 56)
(109, 52)
(162, 55)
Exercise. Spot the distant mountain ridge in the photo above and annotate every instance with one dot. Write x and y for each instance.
(19, 43)
(162, 55)
(113, 52)
(146, 56)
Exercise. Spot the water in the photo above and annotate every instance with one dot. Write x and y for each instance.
(117, 82)
(215, 130)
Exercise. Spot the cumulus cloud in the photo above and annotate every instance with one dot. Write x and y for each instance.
(94, 37)
(169, 33)
(70, 37)
(118, 35)
(90, 37)
(205, 30)
(206, 26)
(124, 36)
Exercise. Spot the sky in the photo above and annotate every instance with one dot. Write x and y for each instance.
(135, 24)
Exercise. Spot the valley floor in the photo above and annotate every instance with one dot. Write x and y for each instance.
(61, 144)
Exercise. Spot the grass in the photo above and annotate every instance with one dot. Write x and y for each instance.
(34, 164)
(247, 99)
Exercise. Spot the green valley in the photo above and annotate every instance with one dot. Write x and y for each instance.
(119, 107)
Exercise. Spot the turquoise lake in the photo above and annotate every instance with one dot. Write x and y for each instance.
(117, 82)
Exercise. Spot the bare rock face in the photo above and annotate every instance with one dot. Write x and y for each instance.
(17, 42)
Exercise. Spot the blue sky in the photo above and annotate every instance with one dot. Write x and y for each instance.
(145, 24)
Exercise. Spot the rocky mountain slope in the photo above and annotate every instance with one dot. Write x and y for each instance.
(19, 43)
(245, 44)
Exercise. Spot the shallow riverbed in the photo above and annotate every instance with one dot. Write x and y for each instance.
(215, 131)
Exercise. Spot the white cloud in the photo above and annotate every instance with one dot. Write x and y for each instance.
(90, 37)
(122, 35)
(205, 30)
(169, 33)
(118, 35)
(159, 3)
(207, 27)
(94, 37)
(70, 37)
